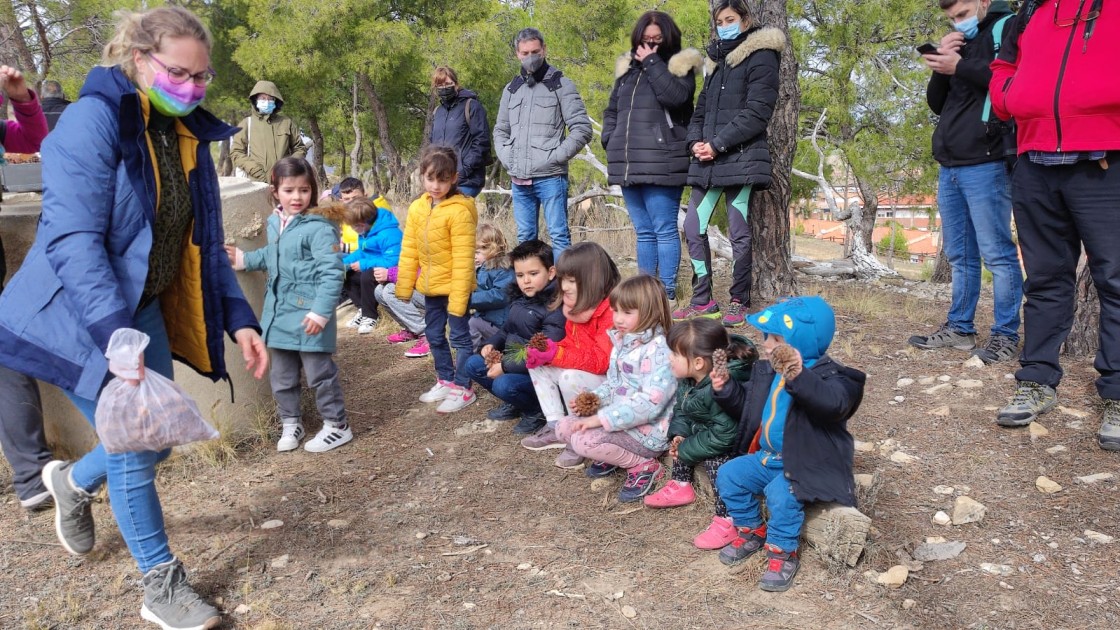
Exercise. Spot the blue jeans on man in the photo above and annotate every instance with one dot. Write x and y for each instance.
(975, 207)
(551, 194)
(653, 211)
(515, 389)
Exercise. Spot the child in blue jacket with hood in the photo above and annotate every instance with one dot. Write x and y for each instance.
(379, 249)
(793, 435)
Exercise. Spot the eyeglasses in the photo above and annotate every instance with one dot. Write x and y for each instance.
(1094, 13)
(179, 75)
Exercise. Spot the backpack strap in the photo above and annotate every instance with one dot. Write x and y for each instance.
(997, 41)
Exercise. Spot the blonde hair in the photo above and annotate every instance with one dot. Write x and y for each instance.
(491, 241)
(361, 211)
(444, 73)
(645, 294)
(146, 31)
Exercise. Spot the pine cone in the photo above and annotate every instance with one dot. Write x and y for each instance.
(538, 342)
(493, 358)
(586, 404)
(719, 360)
(786, 361)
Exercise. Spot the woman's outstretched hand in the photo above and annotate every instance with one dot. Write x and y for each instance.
(252, 348)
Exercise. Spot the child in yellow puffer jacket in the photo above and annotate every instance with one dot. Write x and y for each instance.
(439, 243)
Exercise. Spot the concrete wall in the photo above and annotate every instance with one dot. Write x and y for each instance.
(245, 208)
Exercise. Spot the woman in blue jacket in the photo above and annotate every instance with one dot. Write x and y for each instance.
(130, 237)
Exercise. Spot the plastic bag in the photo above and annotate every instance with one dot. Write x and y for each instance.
(151, 416)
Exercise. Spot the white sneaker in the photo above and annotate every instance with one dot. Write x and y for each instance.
(356, 320)
(289, 439)
(329, 437)
(438, 392)
(458, 398)
(366, 325)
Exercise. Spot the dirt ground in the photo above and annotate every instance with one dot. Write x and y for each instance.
(429, 521)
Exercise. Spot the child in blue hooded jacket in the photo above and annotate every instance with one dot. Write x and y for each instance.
(793, 438)
(379, 248)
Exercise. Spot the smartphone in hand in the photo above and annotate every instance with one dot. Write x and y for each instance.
(927, 49)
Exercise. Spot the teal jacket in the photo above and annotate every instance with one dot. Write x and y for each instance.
(707, 429)
(305, 274)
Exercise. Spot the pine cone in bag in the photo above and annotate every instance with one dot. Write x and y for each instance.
(586, 404)
(538, 342)
(493, 358)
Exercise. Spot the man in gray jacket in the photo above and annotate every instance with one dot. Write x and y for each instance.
(537, 107)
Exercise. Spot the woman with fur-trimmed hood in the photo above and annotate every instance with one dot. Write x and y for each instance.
(727, 140)
(644, 131)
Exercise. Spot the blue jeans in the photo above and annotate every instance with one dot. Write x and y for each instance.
(132, 476)
(515, 389)
(975, 206)
(742, 478)
(653, 211)
(436, 320)
(551, 193)
(470, 191)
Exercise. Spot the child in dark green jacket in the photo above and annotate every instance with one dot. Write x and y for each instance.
(701, 433)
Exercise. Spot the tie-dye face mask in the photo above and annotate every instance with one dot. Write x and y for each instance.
(174, 99)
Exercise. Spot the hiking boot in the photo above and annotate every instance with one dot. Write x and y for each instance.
(569, 460)
(438, 392)
(710, 310)
(545, 437)
(719, 534)
(747, 543)
(673, 494)
(998, 348)
(1109, 435)
(600, 469)
(944, 337)
(419, 349)
(331, 436)
(458, 398)
(290, 436)
(171, 602)
(781, 566)
(356, 320)
(366, 325)
(73, 516)
(735, 314)
(504, 411)
(639, 481)
(402, 336)
(34, 503)
(1029, 401)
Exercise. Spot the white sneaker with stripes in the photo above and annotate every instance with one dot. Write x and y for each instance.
(330, 436)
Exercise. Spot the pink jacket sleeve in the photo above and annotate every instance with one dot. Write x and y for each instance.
(26, 132)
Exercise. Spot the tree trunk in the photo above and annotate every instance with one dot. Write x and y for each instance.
(45, 50)
(356, 152)
(11, 31)
(388, 149)
(1083, 339)
(942, 273)
(225, 164)
(860, 249)
(320, 146)
(429, 120)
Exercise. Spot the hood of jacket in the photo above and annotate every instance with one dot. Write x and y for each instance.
(630, 340)
(269, 88)
(735, 51)
(385, 221)
(806, 323)
(680, 64)
(462, 95)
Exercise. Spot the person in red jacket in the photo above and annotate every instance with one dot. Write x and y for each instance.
(1055, 78)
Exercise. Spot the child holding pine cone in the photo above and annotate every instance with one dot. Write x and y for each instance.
(627, 417)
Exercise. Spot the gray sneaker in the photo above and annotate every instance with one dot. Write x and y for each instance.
(544, 439)
(781, 566)
(944, 337)
(170, 602)
(73, 517)
(569, 459)
(1109, 435)
(998, 348)
(1029, 401)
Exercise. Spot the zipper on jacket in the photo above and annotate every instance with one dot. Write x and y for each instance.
(626, 145)
(1062, 73)
(773, 414)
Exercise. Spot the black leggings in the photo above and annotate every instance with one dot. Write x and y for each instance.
(683, 472)
(359, 287)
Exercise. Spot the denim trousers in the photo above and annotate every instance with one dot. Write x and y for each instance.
(470, 191)
(975, 206)
(653, 211)
(551, 194)
(132, 476)
(436, 321)
(744, 477)
(515, 389)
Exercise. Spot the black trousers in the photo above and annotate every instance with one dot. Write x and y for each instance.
(1059, 209)
(359, 287)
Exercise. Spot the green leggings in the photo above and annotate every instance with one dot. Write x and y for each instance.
(701, 205)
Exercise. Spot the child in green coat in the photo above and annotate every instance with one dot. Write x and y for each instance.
(701, 433)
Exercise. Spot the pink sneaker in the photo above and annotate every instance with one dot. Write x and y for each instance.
(672, 494)
(404, 336)
(718, 535)
(419, 349)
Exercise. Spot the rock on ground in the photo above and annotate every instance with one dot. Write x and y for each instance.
(894, 577)
(968, 510)
(927, 552)
(1047, 485)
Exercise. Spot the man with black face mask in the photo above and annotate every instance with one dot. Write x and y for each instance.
(529, 138)
(460, 121)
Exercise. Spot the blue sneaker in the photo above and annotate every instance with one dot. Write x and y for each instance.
(639, 481)
(600, 469)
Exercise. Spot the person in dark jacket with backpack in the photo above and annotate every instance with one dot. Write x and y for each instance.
(973, 192)
(644, 130)
(460, 121)
(793, 415)
(727, 140)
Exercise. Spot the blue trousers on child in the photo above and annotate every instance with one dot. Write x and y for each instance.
(744, 477)
(436, 321)
(515, 389)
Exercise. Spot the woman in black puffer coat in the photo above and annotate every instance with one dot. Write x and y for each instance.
(727, 139)
(644, 131)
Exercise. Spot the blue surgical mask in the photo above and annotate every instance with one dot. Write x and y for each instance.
(731, 31)
(969, 26)
(265, 106)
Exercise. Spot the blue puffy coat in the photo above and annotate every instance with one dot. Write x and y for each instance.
(83, 277)
(490, 299)
(380, 246)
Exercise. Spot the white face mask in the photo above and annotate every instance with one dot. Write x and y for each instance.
(266, 106)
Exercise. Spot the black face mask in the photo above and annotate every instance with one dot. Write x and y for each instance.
(446, 93)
